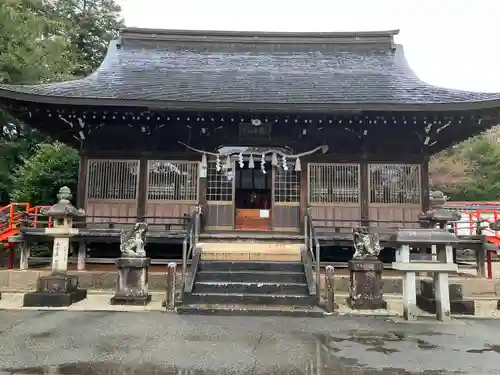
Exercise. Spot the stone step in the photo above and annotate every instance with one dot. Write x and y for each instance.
(269, 251)
(235, 246)
(249, 298)
(249, 275)
(242, 256)
(251, 288)
(250, 266)
(252, 310)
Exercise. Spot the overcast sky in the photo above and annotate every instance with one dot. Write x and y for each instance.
(451, 43)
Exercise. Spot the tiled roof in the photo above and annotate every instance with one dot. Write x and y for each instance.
(314, 71)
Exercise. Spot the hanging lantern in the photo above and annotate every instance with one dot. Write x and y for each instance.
(240, 160)
(298, 167)
(263, 163)
(204, 161)
(217, 163)
(228, 163)
(251, 164)
(274, 160)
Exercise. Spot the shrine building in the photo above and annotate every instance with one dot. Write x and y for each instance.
(256, 127)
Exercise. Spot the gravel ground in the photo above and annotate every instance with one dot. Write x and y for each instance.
(36, 342)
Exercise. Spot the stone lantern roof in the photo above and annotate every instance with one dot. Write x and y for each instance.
(64, 208)
(437, 213)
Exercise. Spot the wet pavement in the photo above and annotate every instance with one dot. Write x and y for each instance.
(57, 342)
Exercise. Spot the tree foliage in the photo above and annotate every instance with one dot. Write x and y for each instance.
(39, 177)
(33, 47)
(45, 41)
(471, 170)
(91, 25)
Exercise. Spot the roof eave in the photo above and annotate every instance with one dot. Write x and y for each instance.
(249, 106)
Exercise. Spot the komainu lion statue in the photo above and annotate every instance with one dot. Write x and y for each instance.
(132, 244)
(365, 244)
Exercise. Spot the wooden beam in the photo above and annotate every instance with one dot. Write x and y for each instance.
(142, 190)
(81, 189)
(364, 191)
(202, 200)
(424, 187)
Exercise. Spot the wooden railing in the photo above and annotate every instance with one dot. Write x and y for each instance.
(178, 224)
(313, 249)
(189, 243)
(336, 227)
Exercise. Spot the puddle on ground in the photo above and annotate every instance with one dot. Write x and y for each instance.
(376, 342)
(487, 348)
(110, 368)
(321, 351)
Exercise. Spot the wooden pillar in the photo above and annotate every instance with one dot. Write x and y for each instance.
(364, 192)
(142, 191)
(202, 198)
(304, 193)
(81, 189)
(24, 248)
(424, 183)
(82, 255)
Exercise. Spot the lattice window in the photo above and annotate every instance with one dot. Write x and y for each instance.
(333, 183)
(286, 185)
(112, 179)
(219, 184)
(394, 183)
(173, 180)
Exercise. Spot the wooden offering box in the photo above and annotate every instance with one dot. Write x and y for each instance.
(253, 219)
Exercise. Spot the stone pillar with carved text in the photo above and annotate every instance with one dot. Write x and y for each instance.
(59, 288)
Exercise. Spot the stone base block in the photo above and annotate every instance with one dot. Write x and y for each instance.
(131, 300)
(365, 290)
(459, 307)
(47, 299)
(55, 291)
(132, 287)
(359, 304)
(427, 290)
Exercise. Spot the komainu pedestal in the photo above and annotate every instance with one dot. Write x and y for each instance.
(132, 283)
(55, 291)
(366, 284)
(365, 292)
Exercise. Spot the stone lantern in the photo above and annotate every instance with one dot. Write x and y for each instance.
(59, 289)
(437, 215)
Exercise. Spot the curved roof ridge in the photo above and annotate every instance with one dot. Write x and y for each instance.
(144, 34)
(155, 75)
(402, 63)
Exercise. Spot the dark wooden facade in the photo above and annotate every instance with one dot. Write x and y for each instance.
(160, 94)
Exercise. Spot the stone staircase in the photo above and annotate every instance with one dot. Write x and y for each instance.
(251, 279)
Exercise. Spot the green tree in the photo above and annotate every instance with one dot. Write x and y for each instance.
(46, 41)
(33, 47)
(91, 25)
(469, 171)
(38, 179)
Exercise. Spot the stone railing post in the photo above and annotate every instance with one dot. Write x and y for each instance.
(170, 296)
(330, 288)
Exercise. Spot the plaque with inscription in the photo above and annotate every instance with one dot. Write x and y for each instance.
(249, 131)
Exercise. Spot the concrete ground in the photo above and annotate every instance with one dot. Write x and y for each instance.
(99, 301)
(53, 342)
